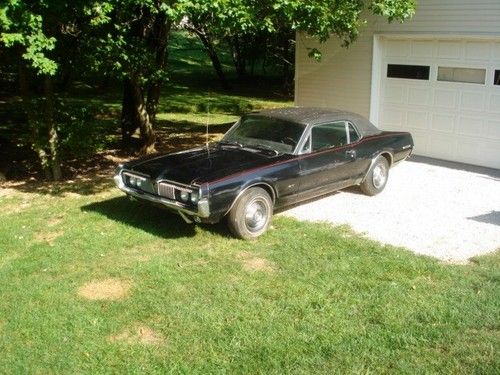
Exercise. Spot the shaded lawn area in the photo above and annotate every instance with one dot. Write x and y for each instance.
(184, 114)
(99, 284)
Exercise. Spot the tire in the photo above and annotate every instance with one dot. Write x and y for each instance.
(251, 215)
(376, 178)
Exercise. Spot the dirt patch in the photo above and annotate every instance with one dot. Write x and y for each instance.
(252, 263)
(244, 254)
(48, 237)
(258, 264)
(138, 334)
(55, 221)
(108, 289)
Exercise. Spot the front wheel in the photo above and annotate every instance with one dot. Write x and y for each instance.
(376, 178)
(251, 215)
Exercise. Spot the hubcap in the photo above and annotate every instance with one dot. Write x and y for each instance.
(379, 176)
(256, 215)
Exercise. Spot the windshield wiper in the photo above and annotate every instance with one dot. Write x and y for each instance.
(230, 143)
(262, 148)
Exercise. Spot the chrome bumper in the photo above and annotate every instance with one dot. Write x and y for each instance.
(203, 207)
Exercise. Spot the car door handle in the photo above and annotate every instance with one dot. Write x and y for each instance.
(351, 154)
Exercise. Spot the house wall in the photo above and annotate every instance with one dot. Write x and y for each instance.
(343, 78)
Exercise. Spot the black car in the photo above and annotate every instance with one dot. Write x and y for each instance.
(267, 160)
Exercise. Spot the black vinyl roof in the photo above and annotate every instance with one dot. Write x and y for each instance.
(313, 116)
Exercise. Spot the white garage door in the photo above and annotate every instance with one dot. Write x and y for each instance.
(447, 94)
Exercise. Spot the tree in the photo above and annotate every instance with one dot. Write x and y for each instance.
(130, 40)
(253, 28)
(30, 29)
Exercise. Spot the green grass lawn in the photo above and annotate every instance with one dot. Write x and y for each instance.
(94, 283)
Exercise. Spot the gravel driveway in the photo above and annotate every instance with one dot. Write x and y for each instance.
(446, 210)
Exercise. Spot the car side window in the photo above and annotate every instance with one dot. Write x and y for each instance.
(353, 134)
(329, 135)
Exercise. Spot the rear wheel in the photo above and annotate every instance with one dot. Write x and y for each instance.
(251, 215)
(376, 178)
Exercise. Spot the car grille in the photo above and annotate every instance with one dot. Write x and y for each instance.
(166, 190)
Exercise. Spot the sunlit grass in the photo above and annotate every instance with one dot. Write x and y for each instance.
(198, 118)
(305, 298)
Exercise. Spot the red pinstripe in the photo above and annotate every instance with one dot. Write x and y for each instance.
(300, 157)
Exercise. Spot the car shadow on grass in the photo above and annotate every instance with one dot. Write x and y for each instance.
(151, 219)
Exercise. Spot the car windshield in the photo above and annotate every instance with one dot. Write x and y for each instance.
(264, 132)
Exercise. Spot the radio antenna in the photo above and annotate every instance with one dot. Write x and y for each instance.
(208, 116)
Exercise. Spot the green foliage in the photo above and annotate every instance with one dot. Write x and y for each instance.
(318, 18)
(20, 25)
(81, 132)
(394, 9)
(121, 42)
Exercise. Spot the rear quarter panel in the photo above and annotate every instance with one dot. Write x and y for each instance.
(398, 144)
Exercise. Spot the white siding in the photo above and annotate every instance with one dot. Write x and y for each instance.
(465, 17)
(340, 80)
(343, 78)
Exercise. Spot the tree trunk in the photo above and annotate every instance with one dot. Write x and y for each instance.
(238, 57)
(55, 162)
(212, 54)
(141, 117)
(160, 39)
(32, 122)
(128, 125)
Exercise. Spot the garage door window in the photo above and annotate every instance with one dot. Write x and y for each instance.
(497, 78)
(462, 75)
(408, 71)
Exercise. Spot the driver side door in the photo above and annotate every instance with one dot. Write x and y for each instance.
(326, 162)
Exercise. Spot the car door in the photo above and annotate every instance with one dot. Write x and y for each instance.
(327, 160)
(358, 154)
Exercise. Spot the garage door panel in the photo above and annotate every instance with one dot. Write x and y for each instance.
(398, 49)
(422, 49)
(471, 126)
(468, 150)
(419, 96)
(472, 100)
(495, 103)
(449, 50)
(479, 51)
(489, 154)
(443, 122)
(441, 146)
(393, 118)
(417, 120)
(395, 94)
(492, 130)
(445, 98)
(495, 51)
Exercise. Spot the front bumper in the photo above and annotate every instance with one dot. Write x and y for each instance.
(202, 212)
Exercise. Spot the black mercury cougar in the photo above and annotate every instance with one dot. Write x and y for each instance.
(267, 160)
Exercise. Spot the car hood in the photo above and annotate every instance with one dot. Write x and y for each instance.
(201, 165)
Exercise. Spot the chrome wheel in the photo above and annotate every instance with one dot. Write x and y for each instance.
(256, 214)
(376, 178)
(251, 214)
(379, 176)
